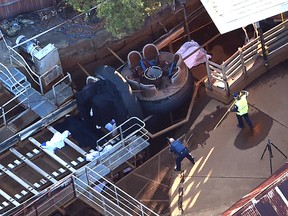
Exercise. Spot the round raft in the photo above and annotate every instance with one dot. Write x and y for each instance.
(129, 100)
(160, 80)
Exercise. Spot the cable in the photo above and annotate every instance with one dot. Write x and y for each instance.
(50, 29)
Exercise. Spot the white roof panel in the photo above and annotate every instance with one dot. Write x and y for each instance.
(229, 15)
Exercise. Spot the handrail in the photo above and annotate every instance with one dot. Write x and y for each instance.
(25, 65)
(30, 72)
(32, 201)
(120, 128)
(40, 124)
(11, 77)
(236, 65)
(4, 114)
(14, 99)
(111, 195)
(133, 127)
(57, 83)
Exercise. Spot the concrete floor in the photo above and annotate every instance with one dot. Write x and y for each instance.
(229, 161)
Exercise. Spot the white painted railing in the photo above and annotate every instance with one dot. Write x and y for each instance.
(240, 62)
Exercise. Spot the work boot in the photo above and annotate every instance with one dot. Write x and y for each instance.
(175, 169)
(193, 161)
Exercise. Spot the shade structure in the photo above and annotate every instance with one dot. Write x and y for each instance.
(229, 15)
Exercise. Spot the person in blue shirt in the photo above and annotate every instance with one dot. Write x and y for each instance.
(180, 151)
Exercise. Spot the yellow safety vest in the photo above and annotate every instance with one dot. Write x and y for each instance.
(242, 105)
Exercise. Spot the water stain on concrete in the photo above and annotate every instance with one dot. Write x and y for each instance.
(202, 129)
(248, 139)
(268, 79)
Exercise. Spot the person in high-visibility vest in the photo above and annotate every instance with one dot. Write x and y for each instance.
(241, 108)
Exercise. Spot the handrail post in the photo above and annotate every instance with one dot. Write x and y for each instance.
(242, 61)
(40, 85)
(4, 117)
(262, 43)
(223, 70)
(116, 195)
(54, 94)
(208, 74)
(121, 134)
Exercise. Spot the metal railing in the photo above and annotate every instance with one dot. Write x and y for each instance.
(13, 103)
(68, 78)
(22, 62)
(238, 65)
(86, 184)
(107, 197)
(102, 195)
(45, 204)
(131, 134)
(37, 79)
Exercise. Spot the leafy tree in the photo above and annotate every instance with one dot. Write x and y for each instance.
(121, 17)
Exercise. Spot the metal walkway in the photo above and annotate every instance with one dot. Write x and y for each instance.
(19, 187)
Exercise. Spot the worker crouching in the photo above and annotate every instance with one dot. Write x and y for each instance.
(180, 151)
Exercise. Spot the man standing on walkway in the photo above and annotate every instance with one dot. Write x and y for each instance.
(241, 108)
(180, 151)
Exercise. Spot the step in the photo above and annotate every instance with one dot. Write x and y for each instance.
(20, 87)
(9, 77)
(14, 80)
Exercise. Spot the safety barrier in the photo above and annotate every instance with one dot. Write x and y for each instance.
(131, 138)
(246, 64)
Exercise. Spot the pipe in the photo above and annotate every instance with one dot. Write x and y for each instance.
(197, 84)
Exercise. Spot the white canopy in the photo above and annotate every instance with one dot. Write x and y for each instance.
(229, 15)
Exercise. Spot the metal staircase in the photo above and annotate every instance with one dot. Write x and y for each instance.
(16, 82)
(108, 200)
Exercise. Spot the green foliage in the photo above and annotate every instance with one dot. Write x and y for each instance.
(83, 5)
(122, 17)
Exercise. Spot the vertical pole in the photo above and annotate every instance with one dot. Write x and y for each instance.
(185, 21)
(209, 75)
(270, 155)
(262, 43)
(4, 117)
(242, 61)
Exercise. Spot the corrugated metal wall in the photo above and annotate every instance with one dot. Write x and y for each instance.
(10, 8)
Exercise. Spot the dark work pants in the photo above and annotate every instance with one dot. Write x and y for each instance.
(247, 119)
(181, 156)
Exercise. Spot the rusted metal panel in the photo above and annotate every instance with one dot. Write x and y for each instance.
(269, 198)
(10, 8)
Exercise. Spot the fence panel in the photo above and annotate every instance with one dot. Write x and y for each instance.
(10, 8)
